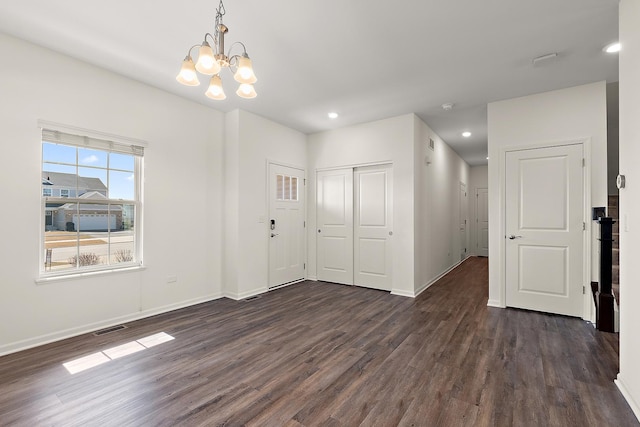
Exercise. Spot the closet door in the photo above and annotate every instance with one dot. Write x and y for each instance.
(373, 226)
(335, 226)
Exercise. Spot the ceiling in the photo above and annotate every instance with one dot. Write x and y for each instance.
(365, 59)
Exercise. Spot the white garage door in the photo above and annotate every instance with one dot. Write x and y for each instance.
(93, 222)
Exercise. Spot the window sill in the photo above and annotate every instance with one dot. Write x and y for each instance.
(83, 275)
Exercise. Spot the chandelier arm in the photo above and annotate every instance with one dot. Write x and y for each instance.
(234, 58)
(233, 63)
(244, 49)
(213, 39)
(191, 48)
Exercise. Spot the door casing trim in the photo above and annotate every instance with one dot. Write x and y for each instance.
(588, 312)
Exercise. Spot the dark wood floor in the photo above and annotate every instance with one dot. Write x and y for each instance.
(324, 354)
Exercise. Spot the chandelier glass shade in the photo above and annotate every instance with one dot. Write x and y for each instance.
(212, 60)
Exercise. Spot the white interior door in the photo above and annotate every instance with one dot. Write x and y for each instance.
(544, 192)
(334, 191)
(373, 227)
(482, 222)
(463, 220)
(286, 225)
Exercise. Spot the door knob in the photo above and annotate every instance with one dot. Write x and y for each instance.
(512, 237)
(274, 234)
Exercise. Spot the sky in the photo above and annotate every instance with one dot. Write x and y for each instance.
(115, 170)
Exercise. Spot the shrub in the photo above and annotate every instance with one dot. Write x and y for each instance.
(86, 258)
(123, 255)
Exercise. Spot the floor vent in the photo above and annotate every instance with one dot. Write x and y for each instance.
(109, 330)
(251, 298)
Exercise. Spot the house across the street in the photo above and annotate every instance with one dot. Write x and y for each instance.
(89, 216)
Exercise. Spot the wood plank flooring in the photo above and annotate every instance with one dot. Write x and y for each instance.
(324, 354)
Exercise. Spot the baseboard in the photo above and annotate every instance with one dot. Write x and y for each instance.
(73, 332)
(426, 286)
(625, 392)
(495, 303)
(312, 278)
(247, 294)
(402, 293)
(258, 291)
(284, 285)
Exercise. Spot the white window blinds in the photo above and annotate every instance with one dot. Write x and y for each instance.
(56, 136)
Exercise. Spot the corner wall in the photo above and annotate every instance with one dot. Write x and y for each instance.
(629, 377)
(251, 143)
(182, 196)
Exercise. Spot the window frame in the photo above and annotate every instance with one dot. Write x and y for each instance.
(110, 144)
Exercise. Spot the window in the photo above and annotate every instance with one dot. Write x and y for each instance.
(93, 224)
(287, 188)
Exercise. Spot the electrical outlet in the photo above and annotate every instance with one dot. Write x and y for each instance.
(172, 279)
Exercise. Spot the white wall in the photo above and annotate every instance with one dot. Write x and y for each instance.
(426, 239)
(613, 137)
(629, 376)
(182, 179)
(438, 175)
(562, 115)
(479, 179)
(251, 143)
(383, 141)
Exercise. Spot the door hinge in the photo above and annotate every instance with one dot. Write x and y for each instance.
(304, 181)
(304, 224)
(584, 226)
(304, 266)
(584, 290)
(584, 162)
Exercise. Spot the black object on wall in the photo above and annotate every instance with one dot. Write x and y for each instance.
(605, 307)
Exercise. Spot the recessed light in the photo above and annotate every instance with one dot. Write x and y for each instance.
(333, 115)
(466, 134)
(487, 157)
(612, 48)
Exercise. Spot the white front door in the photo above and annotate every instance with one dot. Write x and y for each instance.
(463, 220)
(335, 225)
(544, 195)
(286, 225)
(373, 227)
(482, 222)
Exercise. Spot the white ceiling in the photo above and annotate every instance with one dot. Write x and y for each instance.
(365, 59)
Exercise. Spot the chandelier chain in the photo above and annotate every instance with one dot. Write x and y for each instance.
(220, 12)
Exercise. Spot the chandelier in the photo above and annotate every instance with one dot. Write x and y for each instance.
(212, 60)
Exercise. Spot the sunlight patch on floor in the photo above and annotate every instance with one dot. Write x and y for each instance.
(96, 359)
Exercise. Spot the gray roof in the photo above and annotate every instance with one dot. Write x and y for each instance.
(93, 195)
(68, 180)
